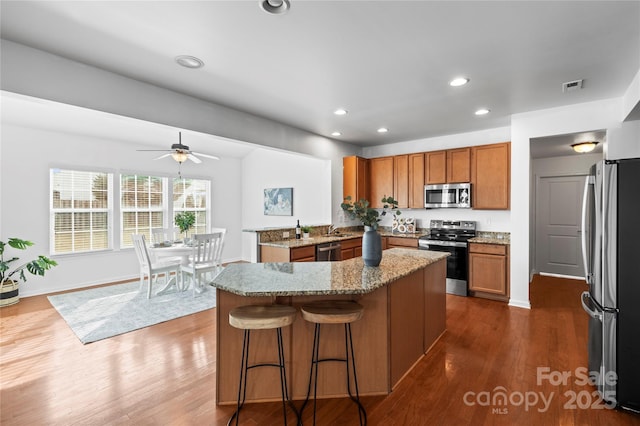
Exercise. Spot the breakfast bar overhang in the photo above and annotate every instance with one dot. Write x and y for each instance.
(404, 315)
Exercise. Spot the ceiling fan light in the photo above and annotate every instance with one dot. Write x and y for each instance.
(179, 156)
(584, 147)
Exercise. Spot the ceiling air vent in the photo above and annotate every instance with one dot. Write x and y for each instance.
(570, 86)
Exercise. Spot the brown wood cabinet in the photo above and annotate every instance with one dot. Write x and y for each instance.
(351, 248)
(282, 254)
(401, 180)
(491, 176)
(489, 271)
(402, 242)
(380, 180)
(450, 166)
(416, 181)
(459, 165)
(435, 164)
(355, 179)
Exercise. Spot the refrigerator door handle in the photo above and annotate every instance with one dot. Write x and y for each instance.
(586, 305)
(586, 230)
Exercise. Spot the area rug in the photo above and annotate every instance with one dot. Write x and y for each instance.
(104, 312)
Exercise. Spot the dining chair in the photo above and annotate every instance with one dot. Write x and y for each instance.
(161, 235)
(207, 250)
(151, 268)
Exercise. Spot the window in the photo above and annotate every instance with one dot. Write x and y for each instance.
(82, 204)
(142, 206)
(81, 211)
(192, 195)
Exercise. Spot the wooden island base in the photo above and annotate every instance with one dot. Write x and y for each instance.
(401, 322)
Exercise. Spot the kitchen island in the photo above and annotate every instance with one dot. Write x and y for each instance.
(405, 308)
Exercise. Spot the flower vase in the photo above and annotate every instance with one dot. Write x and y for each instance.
(371, 247)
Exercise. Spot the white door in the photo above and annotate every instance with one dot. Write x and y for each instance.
(558, 223)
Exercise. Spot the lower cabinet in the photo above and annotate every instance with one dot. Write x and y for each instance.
(401, 242)
(351, 248)
(281, 254)
(489, 271)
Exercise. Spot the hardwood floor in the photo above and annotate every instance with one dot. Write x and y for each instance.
(165, 374)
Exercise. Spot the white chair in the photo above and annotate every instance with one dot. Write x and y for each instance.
(151, 268)
(207, 250)
(217, 258)
(161, 235)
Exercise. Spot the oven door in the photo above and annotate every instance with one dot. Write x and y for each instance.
(457, 263)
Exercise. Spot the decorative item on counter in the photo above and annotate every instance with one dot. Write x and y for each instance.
(403, 225)
(371, 240)
(305, 231)
(298, 230)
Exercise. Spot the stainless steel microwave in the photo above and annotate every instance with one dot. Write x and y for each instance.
(449, 195)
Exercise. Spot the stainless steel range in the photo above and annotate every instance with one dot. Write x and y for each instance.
(452, 237)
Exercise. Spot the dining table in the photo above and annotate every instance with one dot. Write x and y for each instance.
(172, 249)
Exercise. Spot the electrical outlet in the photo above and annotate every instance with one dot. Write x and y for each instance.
(285, 234)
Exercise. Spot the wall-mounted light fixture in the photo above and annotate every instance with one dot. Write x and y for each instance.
(584, 147)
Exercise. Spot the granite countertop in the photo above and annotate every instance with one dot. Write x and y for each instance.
(322, 278)
(491, 240)
(322, 239)
(303, 242)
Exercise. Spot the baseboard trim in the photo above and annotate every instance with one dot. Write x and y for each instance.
(524, 304)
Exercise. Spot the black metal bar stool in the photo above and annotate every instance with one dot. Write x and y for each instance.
(262, 317)
(333, 312)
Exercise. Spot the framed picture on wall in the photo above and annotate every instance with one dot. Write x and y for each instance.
(278, 202)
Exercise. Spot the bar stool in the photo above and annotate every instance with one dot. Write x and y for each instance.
(262, 317)
(333, 312)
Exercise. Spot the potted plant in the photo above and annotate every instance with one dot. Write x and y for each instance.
(184, 221)
(9, 287)
(306, 230)
(370, 218)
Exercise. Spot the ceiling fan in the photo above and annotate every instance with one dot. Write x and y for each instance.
(180, 152)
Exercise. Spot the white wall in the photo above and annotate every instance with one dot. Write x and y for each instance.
(25, 158)
(487, 220)
(309, 177)
(623, 141)
(550, 122)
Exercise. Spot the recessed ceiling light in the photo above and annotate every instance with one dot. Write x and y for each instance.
(336, 134)
(275, 7)
(460, 81)
(340, 111)
(189, 61)
(383, 130)
(482, 111)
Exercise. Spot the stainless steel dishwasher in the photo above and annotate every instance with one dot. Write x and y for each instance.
(328, 252)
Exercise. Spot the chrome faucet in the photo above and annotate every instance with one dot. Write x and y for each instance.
(332, 229)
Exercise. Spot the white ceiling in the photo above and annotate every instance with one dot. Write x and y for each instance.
(387, 62)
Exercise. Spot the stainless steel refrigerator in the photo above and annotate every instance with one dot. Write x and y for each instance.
(611, 250)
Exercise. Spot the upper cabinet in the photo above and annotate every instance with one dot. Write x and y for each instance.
(401, 180)
(450, 166)
(487, 167)
(416, 181)
(491, 176)
(459, 165)
(355, 179)
(380, 180)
